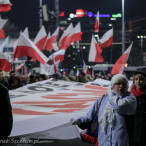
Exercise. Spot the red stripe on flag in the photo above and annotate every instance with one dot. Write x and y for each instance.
(107, 43)
(5, 65)
(40, 43)
(28, 51)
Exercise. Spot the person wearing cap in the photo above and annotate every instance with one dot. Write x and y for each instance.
(139, 90)
(116, 105)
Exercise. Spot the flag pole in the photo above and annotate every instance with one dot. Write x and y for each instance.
(40, 20)
(82, 55)
(78, 47)
(111, 56)
(123, 28)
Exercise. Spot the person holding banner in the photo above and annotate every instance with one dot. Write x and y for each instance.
(139, 90)
(111, 115)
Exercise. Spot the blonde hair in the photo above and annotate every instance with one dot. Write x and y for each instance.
(123, 80)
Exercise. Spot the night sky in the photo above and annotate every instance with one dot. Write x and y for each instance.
(25, 12)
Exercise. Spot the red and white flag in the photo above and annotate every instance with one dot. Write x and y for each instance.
(5, 5)
(48, 45)
(26, 33)
(2, 22)
(51, 40)
(107, 39)
(120, 64)
(59, 55)
(5, 65)
(75, 35)
(4, 44)
(41, 38)
(26, 47)
(85, 69)
(20, 67)
(95, 51)
(64, 36)
(56, 65)
(96, 26)
(2, 34)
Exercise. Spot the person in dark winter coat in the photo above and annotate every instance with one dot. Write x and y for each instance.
(6, 120)
(139, 90)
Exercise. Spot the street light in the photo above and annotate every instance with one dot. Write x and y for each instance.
(123, 28)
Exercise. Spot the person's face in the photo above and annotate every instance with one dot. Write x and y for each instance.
(120, 87)
(6, 79)
(139, 81)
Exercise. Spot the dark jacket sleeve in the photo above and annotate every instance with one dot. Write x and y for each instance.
(6, 120)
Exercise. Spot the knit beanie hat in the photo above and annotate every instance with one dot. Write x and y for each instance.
(116, 77)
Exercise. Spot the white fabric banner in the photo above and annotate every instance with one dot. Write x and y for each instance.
(105, 83)
(48, 104)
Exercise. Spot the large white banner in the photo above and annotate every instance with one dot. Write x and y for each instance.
(48, 104)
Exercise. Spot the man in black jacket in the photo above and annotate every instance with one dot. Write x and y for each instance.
(6, 119)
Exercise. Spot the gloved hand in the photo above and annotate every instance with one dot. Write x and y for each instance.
(74, 121)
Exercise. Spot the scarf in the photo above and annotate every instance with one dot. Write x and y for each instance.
(108, 116)
(137, 92)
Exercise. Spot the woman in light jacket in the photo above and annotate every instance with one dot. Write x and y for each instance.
(116, 106)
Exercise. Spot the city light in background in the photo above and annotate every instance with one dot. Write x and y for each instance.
(55, 13)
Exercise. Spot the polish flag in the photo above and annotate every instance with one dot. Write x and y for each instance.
(41, 38)
(107, 39)
(26, 33)
(2, 34)
(56, 65)
(26, 47)
(95, 51)
(52, 40)
(85, 69)
(120, 64)
(64, 36)
(5, 5)
(4, 44)
(96, 26)
(48, 44)
(20, 67)
(2, 22)
(75, 35)
(59, 55)
(5, 65)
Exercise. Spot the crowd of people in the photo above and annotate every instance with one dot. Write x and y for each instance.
(120, 115)
(14, 80)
